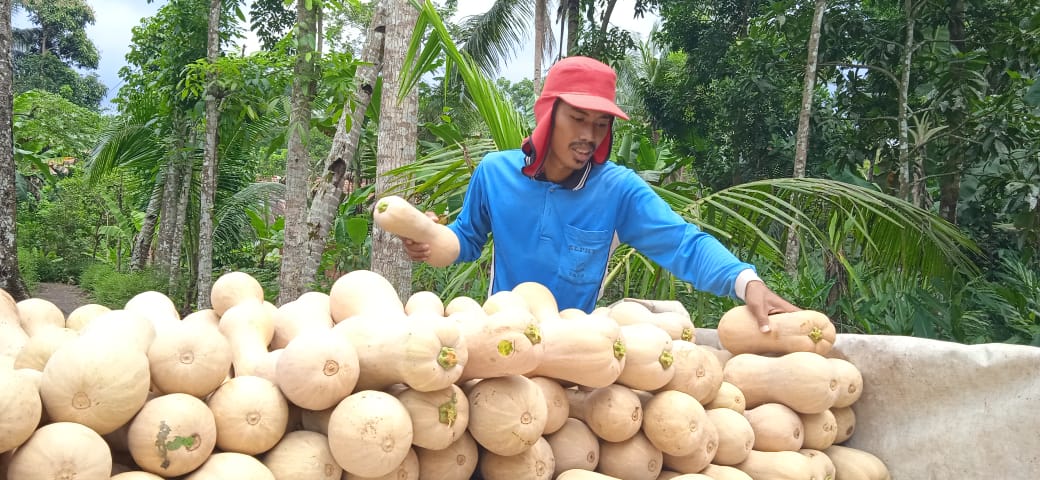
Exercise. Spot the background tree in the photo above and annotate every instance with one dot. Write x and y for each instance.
(48, 54)
(10, 278)
(208, 192)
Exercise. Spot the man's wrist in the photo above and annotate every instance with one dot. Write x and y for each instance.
(745, 277)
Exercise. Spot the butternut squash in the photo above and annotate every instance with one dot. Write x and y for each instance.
(95, 385)
(822, 464)
(41, 346)
(370, 433)
(134, 475)
(804, 381)
(698, 373)
(233, 288)
(691, 476)
(298, 316)
(250, 413)
(462, 303)
(248, 326)
(189, 357)
(20, 409)
(172, 435)
(556, 403)
(729, 396)
(633, 459)
(614, 413)
(317, 369)
(154, 306)
(801, 331)
(505, 300)
(701, 457)
(507, 415)
(675, 423)
(508, 342)
(12, 339)
(207, 316)
(121, 329)
(736, 437)
(425, 302)
(820, 429)
(648, 357)
(539, 299)
(438, 417)
(634, 312)
(855, 464)
(395, 215)
(37, 314)
(578, 474)
(62, 450)
(363, 292)
(227, 465)
(83, 314)
(724, 472)
(777, 427)
(535, 463)
(845, 419)
(777, 466)
(588, 351)
(574, 446)
(850, 382)
(425, 352)
(457, 462)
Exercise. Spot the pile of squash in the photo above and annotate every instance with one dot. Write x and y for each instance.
(358, 384)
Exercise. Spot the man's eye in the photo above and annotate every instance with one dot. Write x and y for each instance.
(578, 119)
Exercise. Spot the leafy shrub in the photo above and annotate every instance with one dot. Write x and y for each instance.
(113, 289)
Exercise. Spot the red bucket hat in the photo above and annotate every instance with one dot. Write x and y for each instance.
(582, 82)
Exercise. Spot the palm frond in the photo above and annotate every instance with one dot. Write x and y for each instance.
(231, 225)
(493, 38)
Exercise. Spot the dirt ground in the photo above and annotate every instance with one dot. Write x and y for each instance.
(65, 297)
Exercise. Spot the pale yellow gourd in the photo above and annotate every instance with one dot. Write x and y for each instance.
(777, 428)
(574, 446)
(154, 306)
(633, 459)
(614, 413)
(395, 215)
(785, 465)
(297, 316)
(173, 435)
(820, 429)
(231, 465)
(134, 475)
(535, 463)
(823, 467)
(701, 457)
(37, 314)
(439, 418)
(83, 314)
(850, 382)
(423, 351)
(20, 409)
(41, 346)
(505, 300)
(318, 369)
(856, 464)
(577, 474)
(407, 470)
(302, 455)
(12, 339)
(121, 329)
(588, 351)
(370, 433)
(804, 381)
(724, 472)
(93, 384)
(62, 450)
(801, 331)
(539, 299)
(634, 313)
(457, 462)
(736, 437)
(507, 415)
(233, 288)
(250, 413)
(509, 342)
(675, 422)
(462, 303)
(364, 292)
(555, 402)
(845, 419)
(207, 316)
(248, 327)
(729, 396)
(648, 357)
(189, 357)
(698, 373)
(425, 302)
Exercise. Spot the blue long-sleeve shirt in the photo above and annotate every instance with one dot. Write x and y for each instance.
(562, 238)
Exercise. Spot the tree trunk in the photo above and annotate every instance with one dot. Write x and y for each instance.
(143, 240)
(950, 182)
(541, 27)
(10, 277)
(207, 196)
(398, 137)
(906, 169)
(608, 11)
(181, 224)
(573, 25)
(329, 194)
(802, 141)
(297, 162)
(172, 179)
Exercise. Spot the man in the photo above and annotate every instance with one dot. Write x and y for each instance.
(557, 208)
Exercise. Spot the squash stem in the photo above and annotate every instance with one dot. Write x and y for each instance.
(533, 334)
(816, 334)
(447, 358)
(666, 359)
(447, 412)
(619, 349)
(505, 348)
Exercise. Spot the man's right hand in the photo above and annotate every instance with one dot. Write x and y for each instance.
(419, 252)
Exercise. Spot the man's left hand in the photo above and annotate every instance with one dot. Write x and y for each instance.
(763, 302)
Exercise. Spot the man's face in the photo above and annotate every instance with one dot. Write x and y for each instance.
(575, 136)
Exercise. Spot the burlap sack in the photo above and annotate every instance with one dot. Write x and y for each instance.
(941, 410)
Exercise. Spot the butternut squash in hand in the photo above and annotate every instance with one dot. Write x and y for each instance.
(801, 331)
(395, 215)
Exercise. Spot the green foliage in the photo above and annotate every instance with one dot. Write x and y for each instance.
(49, 74)
(108, 286)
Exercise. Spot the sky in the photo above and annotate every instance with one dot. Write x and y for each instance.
(111, 34)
